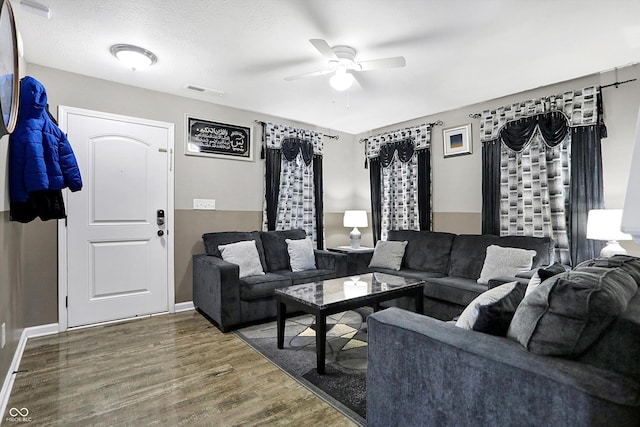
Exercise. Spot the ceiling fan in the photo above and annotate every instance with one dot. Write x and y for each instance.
(344, 66)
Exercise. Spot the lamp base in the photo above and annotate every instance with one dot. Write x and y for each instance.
(612, 248)
(355, 236)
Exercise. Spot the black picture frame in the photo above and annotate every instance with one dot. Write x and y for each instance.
(215, 139)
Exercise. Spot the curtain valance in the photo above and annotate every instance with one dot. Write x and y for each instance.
(552, 126)
(276, 134)
(581, 108)
(292, 146)
(420, 136)
(404, 148)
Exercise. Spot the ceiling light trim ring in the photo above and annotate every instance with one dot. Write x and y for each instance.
(123, 47)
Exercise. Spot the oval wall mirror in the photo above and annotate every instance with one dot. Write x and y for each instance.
(9, 75)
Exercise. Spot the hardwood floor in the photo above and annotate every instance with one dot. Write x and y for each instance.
(174, 369)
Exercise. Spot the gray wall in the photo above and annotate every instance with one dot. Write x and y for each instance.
(28, 269)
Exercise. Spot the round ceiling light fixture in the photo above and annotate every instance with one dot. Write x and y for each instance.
(134, 57)
(341, 80)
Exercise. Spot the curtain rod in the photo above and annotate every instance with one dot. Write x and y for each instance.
(616, 84)
(436, 123)
(336, 137)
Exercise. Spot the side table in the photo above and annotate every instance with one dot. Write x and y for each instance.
(357, 259)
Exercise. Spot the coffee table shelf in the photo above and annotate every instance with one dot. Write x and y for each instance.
(327, 297)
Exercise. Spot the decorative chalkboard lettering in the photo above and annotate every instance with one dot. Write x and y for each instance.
(205, 137)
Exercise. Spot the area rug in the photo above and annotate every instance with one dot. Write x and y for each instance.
(344, 383)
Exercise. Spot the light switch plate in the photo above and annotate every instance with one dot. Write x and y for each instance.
(204, 204)
(3, 339)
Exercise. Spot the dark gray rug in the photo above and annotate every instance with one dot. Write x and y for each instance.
(344, 383)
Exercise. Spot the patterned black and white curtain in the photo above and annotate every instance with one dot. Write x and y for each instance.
(293, 180)
(400, 174)
(537, 180)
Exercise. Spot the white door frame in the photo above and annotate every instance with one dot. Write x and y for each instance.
(169, 220)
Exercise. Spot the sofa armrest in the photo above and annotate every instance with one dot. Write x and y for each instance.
(422, 371)
(216, 289)
(327, 260)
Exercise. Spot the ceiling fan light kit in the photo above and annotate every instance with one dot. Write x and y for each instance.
(134, 57)
(341, 80)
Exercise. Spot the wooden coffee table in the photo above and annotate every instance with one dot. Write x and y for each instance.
(328, 297)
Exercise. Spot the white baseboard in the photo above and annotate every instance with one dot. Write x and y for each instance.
(7, 385)
(184, 306)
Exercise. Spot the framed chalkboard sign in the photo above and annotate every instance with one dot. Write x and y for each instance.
(214, 139)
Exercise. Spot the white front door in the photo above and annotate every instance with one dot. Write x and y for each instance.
(117, 255)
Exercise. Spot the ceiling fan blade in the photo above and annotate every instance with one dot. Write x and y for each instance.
(311, 74)
(377, 64)
(323, 47)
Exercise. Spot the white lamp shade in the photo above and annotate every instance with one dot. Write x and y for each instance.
(355, 219)
(604, 224)
(341, 80)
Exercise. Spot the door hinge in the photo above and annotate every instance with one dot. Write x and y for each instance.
(66, 302)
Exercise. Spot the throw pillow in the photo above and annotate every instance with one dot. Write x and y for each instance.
(301, 256)
(568, 312)
(470, 314)
(388, 254)
(628, 263)
(543, 274)
(505, 261)
(495, 318)
(245, 255)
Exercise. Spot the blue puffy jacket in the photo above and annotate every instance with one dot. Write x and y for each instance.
(40, 156)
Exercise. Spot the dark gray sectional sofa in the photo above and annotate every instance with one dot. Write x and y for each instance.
(425, 372)
(451, 264)
(230, 301)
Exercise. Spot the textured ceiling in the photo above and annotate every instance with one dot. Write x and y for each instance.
(458, 52)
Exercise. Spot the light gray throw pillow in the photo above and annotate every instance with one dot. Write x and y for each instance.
(245, 255)
(301, 256)
(566, 313)
(388, 254)
(501, 261)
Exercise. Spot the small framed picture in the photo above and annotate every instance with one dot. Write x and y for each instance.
(457, 141)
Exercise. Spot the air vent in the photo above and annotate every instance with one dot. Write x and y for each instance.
(203, 89)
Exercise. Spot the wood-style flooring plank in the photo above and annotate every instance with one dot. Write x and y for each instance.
(173, 369)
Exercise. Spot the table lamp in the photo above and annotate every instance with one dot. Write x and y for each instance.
(604, 224)
(355, 219)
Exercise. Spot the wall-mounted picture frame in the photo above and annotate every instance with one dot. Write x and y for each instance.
(214, 139)
(457, 141)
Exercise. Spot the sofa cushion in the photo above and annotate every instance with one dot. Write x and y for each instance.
(245, 255)
(426, 250)
(628, 263)
(455, 290)
(568, 312)
(275, 247)
(470, 314)
(407, 272)
(307, 276)
(501, 261)
(469, 250)
(388, 254)
(301, 256)
(213, 240)
(256, 287)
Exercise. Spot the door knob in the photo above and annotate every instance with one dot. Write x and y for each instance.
(160, 233)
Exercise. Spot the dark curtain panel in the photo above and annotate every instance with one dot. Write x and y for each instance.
(319, 205)
(424, 189)
(491, 187)
(272, 185)
(376, 198)
(586, 191)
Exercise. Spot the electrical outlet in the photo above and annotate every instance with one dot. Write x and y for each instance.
(4, 336)
(204, 204)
